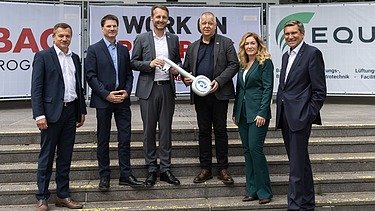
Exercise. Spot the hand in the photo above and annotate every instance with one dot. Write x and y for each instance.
(42, 124)
(259, 121)
(79, 124)
(157, 63)
(117, 96)
(188, 81)
(173, 71)
(214, 86)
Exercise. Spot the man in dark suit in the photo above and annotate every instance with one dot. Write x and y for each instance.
(300, 96)
(110, 77)
(156, 92)
(214, 56)
(59, 108)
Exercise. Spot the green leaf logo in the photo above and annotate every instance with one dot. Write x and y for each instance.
(303, 17)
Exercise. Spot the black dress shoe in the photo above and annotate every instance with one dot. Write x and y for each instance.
(169, 177)
(104, 183)
(131, 181)
(249, 198)
(151, 179)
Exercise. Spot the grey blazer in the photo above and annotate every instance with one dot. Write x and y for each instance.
(225, 65)
(142, 55)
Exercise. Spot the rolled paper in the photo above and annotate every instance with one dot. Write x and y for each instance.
(201, 84)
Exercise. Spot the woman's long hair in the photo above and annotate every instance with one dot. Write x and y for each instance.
(261, 55)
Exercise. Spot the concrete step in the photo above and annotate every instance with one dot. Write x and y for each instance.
(86, 190)
(190, 134)
(183, 149)
(327, 202)
(278, 164)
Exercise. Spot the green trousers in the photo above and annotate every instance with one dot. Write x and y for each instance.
(258, 182)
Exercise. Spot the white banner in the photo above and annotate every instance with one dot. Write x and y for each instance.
(233, 22)
(24, 30)
(344, 33)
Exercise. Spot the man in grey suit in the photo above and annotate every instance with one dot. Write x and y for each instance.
(156, 92)
(214, 56)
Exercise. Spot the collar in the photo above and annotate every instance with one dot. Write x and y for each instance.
(58, 51)
(212, 39)
(107, 43)
(155, 36)
(296, 50)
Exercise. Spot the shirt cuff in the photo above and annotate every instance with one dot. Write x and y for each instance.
(40, 117)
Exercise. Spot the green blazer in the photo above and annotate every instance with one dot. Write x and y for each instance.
(255, 91)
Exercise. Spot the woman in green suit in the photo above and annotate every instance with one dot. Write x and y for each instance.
(252, 113)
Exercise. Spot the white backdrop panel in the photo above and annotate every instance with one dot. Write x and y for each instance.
(344, 33)
(24, 30)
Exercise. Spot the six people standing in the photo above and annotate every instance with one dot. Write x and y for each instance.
(58, 104)
(156, 92)
(252, 113)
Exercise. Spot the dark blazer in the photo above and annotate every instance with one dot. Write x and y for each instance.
(101, 73)
(303, 93)
(47, 86)
(225, 65)
(142, 55)
(256, 91)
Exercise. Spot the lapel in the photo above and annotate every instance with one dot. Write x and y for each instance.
(296, 62)
(106, 52)
(152, 43)
(56, 60)
(169, 44)
(195, 57)
(283, 68)
(77, 67)
(216, 48)
(240, 77)
(251, 71)
(119, 55)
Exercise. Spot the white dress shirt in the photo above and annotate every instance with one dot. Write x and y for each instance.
(292, 56)
(68, 71)
(161, 50)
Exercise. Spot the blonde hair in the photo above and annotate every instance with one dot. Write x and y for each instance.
(261, 55)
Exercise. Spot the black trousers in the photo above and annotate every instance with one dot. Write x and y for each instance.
(59, 137)
(301, 195)
(123, 123)
(212, 112)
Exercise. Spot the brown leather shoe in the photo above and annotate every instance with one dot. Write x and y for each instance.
(264, 201)
(42, 205)
(203, 176)
(225, 177)
(68, 202)
(249, 198)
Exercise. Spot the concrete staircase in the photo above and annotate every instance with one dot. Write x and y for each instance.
(343, 159)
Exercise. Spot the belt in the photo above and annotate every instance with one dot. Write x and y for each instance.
(66, 104)
(161, 82)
